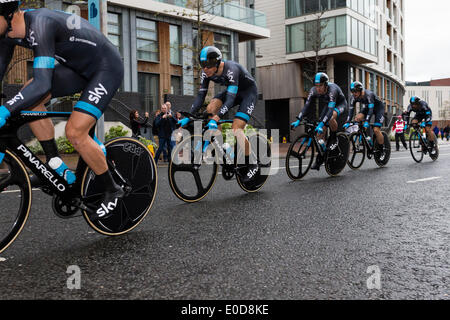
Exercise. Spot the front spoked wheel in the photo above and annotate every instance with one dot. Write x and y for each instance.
(337, 154)
(357, 153)
(15, 199)
(415, 147)
(382, 158)
(262, 153)
(299, 157)
(131, 161)
(191, 173)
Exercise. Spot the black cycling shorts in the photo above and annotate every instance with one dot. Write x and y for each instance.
(97, 91)
(246, 100)
(379, 116)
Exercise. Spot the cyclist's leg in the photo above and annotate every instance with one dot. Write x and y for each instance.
(93, 102)
(379, 119)
(246, 101)
(43, 129)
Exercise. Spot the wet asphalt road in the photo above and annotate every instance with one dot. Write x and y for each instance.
(312, 239)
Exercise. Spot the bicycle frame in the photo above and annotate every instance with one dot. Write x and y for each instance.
(53, 183)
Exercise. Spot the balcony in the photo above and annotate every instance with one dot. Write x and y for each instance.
(227, 10)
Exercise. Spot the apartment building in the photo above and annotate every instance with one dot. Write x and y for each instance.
(359, 40)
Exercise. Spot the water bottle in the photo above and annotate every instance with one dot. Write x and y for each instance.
(229, 150)
(369, 140)
(322, 145)
(61, 168)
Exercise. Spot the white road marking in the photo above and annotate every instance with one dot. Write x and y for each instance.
(423, 180)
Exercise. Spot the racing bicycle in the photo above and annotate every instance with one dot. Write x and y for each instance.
(130, 162)
(195, 161)
(302, 151)
(419, 145)
(364, 145)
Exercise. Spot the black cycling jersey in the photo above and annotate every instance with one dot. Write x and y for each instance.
(70, 55)
(334, 98)
(241, 89)
(423, 112)
(371, 102)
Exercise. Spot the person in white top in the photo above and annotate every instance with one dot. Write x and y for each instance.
(400, 127)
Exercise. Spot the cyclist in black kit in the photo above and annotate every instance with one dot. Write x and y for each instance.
(329, 93)
(70, 56)
(372, 106)
(423, 113)
(241, 90)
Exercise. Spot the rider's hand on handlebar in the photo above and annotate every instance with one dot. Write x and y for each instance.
(319, 128)
(183, 122)
(212, 125)
(295, 124)
(423, 125)
(346, 125)
(4, 115)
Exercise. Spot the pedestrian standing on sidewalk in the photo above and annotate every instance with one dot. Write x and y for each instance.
(136, 124)
(399, 128)
(165, 124)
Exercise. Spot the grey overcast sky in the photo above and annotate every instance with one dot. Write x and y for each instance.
(427, 39)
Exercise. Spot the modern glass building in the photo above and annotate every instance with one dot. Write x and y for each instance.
(354, 40)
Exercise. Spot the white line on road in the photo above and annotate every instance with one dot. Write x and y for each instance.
(425, 179)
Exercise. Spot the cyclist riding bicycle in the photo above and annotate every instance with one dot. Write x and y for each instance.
(241, 90)
(372, 106)
(423, 114)
(70, 56)
(333, 96)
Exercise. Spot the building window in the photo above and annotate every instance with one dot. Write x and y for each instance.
(295, 8)
(175, 44)
(147, 40)
(176, 85)
(114, 26)
(148, 85)
(223, 43)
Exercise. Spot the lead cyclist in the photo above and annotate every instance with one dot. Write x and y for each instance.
(70, 56)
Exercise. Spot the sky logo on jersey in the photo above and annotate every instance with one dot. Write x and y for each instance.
(230, 76)
(18, 97)
(97, 94)
(32, 39)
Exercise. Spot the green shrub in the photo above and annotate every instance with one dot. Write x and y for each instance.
(64, 145)
(115, 132)
(148, 142)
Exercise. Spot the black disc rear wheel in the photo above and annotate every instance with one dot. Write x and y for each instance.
(135, 164)
(262, 153)
(337, 154)
(382, 157)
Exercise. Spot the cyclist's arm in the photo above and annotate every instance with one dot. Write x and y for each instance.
(407, 114)
(370, 105)
(202, 92)
(43, 67)
(305, 109)
(351, 109)
(331, 107)
(6, 53)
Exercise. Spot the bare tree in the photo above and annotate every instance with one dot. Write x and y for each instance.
(316, 41)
